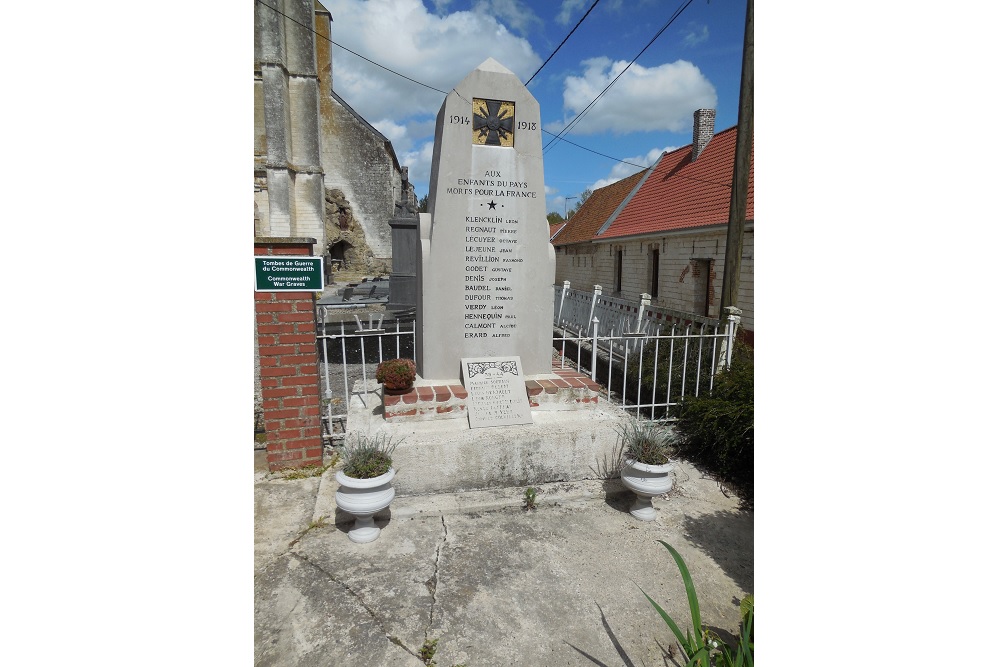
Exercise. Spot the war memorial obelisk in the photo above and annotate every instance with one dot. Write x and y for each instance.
(487, 410)
(486, 267)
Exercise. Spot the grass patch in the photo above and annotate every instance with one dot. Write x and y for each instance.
(306, 472)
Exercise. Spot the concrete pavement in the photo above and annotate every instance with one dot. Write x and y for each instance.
(494, 584)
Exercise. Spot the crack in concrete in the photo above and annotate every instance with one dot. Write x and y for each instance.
(432, 583)
(371, 612)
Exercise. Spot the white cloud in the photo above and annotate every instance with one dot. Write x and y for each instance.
(513, 12)
(393, 132)
(441, 5)
(621, 170)
(696, 34)
(567, 9)
(402, 35)
(419, 162)
(643, 99)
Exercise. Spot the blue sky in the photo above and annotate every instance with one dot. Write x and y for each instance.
(695, 63)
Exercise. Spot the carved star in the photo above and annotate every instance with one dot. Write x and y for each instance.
(493, 205)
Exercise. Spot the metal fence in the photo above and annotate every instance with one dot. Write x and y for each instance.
(349, 352)
(646, 357)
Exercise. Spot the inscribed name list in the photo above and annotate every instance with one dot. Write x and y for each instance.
(497, 396)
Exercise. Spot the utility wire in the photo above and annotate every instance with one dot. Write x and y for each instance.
(579, 116)
(561, 43)
(642, 167)
(559, 137)
(589, 150)
(310, 29)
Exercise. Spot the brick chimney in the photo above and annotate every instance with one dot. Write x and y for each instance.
(704, 128)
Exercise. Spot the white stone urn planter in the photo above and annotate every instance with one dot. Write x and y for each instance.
(363, 498)
(646, 480)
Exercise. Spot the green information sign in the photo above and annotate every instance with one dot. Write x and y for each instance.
(289, 273)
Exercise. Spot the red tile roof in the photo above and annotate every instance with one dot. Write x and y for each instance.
(596, 210)
(554, 228)
(681, 194)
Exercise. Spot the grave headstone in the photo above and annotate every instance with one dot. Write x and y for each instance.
(405, 246)
(486, 268)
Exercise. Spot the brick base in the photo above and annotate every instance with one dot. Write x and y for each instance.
(289, 367)
(565, 390)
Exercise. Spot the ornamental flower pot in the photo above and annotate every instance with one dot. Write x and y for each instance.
(646, 480)
(396, 375)
(646, 450)
(363, 498)
(366, 482)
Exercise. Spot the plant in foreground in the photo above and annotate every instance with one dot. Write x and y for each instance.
(369, 456)
(427, 651)
(698, 649)
(529, 498)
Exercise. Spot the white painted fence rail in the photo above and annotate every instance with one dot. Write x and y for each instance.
(677, 354)
(670, 354)
(352, 351)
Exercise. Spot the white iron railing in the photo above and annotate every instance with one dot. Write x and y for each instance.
(669, 354)
(350, 352)
(647, 357)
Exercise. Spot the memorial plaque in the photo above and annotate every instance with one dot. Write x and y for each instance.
(486, 267)
(497, 396)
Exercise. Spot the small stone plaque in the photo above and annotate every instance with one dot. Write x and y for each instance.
(497, 396)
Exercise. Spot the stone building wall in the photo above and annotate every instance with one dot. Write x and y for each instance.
(288, 176)
(690, 273)
(363, 176)
(313, 155)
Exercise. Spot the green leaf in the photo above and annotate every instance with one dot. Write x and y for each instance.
(684, 643)
(688, 585)
(746, 646)
(701, 653)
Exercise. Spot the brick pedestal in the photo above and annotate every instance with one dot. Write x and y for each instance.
(289, 366)
(564, 390)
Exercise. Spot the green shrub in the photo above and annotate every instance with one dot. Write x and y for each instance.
(717, 428)
(691, 370)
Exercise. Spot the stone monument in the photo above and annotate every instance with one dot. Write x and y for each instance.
(488, 410)
(486, 267)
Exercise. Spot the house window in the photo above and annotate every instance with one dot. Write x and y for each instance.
(654, 271)
(619, 256)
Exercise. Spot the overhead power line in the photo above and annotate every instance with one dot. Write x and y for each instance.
(590, 150)
(419, 83)
(312, 30)
(583, 113)
(561, 43)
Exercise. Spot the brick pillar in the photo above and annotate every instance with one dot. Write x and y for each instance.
(289, 366)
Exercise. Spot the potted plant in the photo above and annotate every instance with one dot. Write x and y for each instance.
(396, 375)
(645, 450)
(366, 482)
